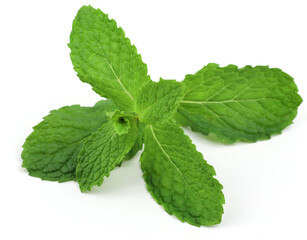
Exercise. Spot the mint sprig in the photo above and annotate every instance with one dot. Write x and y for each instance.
(85, 144)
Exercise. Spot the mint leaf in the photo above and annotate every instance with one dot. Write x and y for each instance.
(103, 57)
(121, 121)
(138, 145)
(158, 101)
(179, 178)
(50, 151)
(101, 153)
(246, 104)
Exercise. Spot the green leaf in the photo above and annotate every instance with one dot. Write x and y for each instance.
(121, 121)
(103, 57)
(138, 143)
(246, 104)
(158, 101)
(178, 177)
(102, 152)
(50, 151)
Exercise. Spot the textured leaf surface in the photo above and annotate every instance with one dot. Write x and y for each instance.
(179, 178)
(158, 101)
(138, 145)
(50, 152)
(101, 153)
(239, 104)
(121, 121)
(103, 57)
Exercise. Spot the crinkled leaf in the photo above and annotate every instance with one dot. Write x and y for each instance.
(103, 57)
(178, 177)
(158, 101)
(121, 121)
(101, 153)
(247, 104)
(50, 151)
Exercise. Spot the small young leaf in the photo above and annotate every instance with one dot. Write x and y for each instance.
(247, 104)
(138, 145)
(121, 121)
(158, 101)
(50, 151)
(178, 177)
(101, 153)
(103, 57)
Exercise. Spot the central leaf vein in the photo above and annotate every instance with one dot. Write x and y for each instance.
(110, 66)
(169, 158)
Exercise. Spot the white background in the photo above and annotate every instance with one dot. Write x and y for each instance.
(264, 182)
